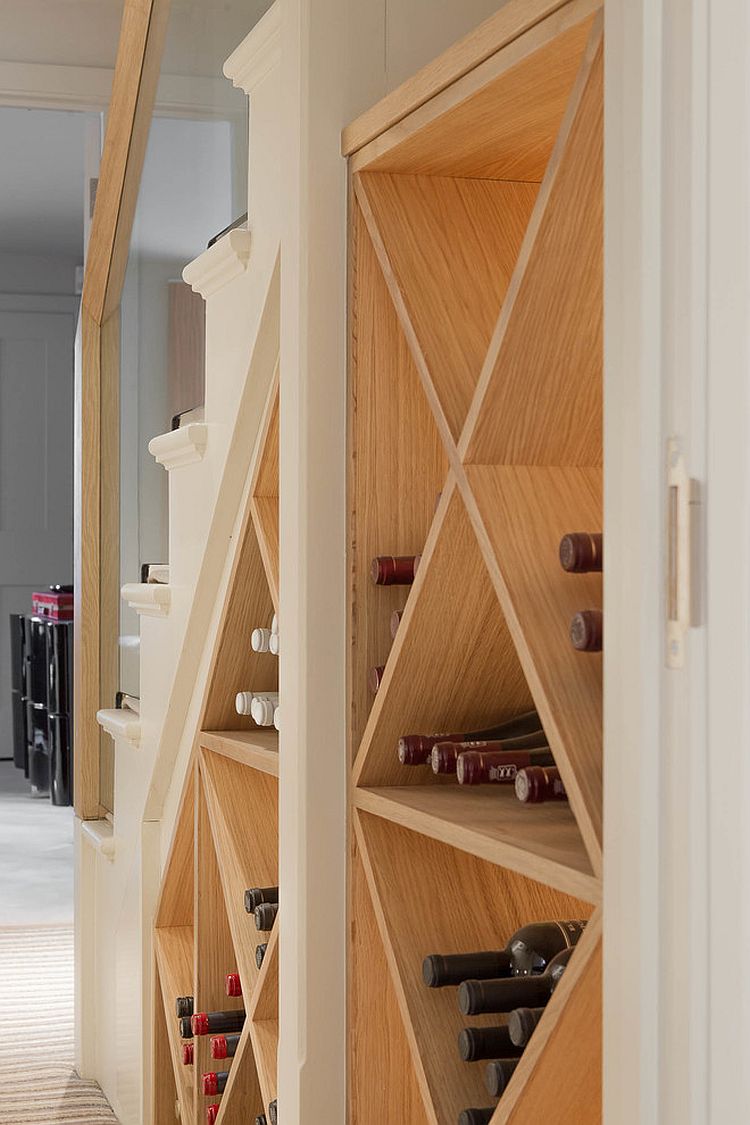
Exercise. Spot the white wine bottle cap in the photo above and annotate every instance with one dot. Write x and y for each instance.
(273, 644)
(262, 711)
(274, 624)
(260, 640)
(277, 718)
(243, 702)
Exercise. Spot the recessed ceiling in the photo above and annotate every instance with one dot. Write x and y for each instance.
(41, 182)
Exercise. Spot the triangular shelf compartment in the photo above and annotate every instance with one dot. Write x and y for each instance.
(448, 248)
(539, 397)
(263, 1018)
(174, 952)
(383, 1086)
(264, 500)
(176, 903)
(520, 515)
(399, 468)
(432, 898)
(171, 1088)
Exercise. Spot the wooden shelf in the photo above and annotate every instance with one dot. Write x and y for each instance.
(174, 951)
(541, 843)
(258, 748)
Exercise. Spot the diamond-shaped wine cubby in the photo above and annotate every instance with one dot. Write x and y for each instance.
(226, 840)
(476, 443)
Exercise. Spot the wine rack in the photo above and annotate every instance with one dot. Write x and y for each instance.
(225, 840)
(476, 441)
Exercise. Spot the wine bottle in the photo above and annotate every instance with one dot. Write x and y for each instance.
(243, 700)
(184, 1006)
(186, 1027)
(415, 749)
(188, 1054)
(214, 1081)
(396, 621)
(212, 1112)
(224, 1046)
(254, 896)
(262, 709)
(265, 916)
(444, 755)
(233, 984)
(529, 950)
(486, 1043)
(261, 1119)
(273, 644)
(536, 784)
(375, 678)
(498, 1074)
(260, 640)
(394, 570)
(478, 997)
(586, 630)
(522, 1024)
(277, 718)
(476, 1116)
(273, 1113)
(260, 952)
(211, 1023)
(274, 624)
(477, 767)
(582, 551)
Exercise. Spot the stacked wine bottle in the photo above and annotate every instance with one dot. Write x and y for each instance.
(515, 752)
(221, 1026)
(391, 570)
(262, 706)
(582, 552)
(515, 984)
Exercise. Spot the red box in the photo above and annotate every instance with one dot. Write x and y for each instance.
(53, 606)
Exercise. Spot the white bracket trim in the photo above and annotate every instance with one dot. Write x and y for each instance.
(258, 53)
(220, 264)
(99, 835)
(180, 447)
(150, 599)
(121, 723)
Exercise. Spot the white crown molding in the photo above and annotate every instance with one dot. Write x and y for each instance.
(258, 53)
(220, 264)
(180, 447)
(149, 599)
(121, 723)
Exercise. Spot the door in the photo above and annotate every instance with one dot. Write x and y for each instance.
(36, 462)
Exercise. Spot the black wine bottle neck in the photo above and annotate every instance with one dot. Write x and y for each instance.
(440, 970)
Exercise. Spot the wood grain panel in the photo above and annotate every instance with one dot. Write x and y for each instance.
(263, 1014)
(86, 549)
(521, 514)
(542, 843)
(500, 121)
(257, 748)
(452, 665)
(397, 469)
(539, 399)
(164, 1089)
(448, 248)
(266, 482)
(176, 899)
(382, 1083)
(482, 904)
(265, 515)
(173, 948)
(109, 551)
(243, 811)
(560, 1075)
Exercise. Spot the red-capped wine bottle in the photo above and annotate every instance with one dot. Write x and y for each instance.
(273, 1112)
(522, 1024)
(224, 1046)
(476, 1116)
(444, 755)
(183, 1006)
(233, 984)
(214, 1082)
(486, 1043)
(265, 915)
(213, 1023)
(582, 552)
(260, 952)
(375, 678)
(188, 1054)
(498, 1074)
(529, 950)
(587, 630)
(396, 621)
(394, 570)
(480, 997)
(477, 767)
(537, 784)
(186, 1027)
(212, 1112)
(254, 896)
(416, 749)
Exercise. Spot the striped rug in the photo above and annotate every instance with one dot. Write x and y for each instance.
(38, 1085)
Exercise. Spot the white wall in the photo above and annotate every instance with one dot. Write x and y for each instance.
(26, 273)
